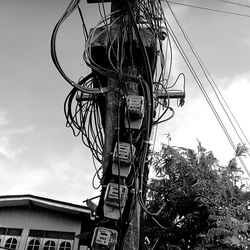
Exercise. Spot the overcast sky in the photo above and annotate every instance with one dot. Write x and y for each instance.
(39, 155)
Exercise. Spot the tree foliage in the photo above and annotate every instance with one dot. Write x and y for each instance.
(206, 206)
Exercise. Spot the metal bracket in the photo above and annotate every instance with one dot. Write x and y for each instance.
(80, 97)
(171, 94)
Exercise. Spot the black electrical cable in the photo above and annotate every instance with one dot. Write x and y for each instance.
(144, 52)
(231, 2)
(171, 116)
(83, 116)
(209, 9)
(214, 87)
(71, 7)
(88, 124)
(200, 86)
(85, 31)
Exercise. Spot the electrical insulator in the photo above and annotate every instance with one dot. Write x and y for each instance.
(163, 33)
(104, 238)
(112, 195)
(134, 111)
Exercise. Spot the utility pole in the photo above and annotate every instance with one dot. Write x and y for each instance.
(120, 98)
(112, 118)
(127, 102)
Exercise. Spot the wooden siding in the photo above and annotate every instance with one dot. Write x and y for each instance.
(24, 217)
(28, 218)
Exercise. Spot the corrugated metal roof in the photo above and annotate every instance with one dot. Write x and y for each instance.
(32, 200)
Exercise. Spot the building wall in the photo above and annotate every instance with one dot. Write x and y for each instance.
(26, 218)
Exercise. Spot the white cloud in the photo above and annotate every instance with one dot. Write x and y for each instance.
(3, 118)
(8, 149)
(20, 130)
(33, 161)
(3, 82)
(67, 178)
(73, 174)
(5, 148)
(246, 41)
(196, 120)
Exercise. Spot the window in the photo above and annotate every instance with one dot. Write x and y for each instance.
(49, 240)
(11, 243)
(36, 233)
(65, 245)
(14, 231)
(9, 237)
(3, 230)
(66, 235)
(10, 231)
(51, 234)
(33, 245)
(49, 245)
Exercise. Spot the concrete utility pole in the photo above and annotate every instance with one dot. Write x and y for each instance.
(122, 54)
(130, 234)
(132, 237)
(115, 110)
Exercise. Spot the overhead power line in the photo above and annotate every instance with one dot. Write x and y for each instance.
(232, 2)
(214, 87)
(210, 9)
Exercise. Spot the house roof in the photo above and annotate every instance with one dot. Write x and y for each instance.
(32, 200)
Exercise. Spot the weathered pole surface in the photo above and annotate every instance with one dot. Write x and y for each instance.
(132, 237)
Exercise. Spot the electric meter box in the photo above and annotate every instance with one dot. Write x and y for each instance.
(134, 111)
(104, 238)
(113, 205)
(135, 106)
(123, 153)
(112, 195)
(122, 159)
